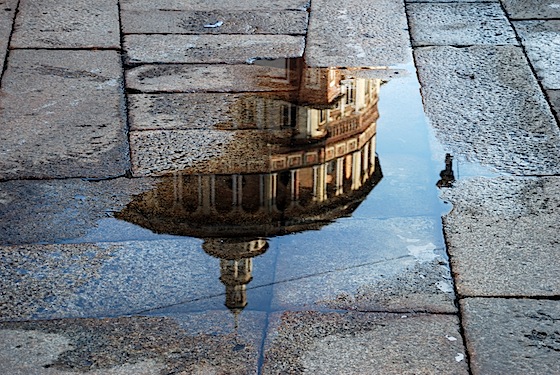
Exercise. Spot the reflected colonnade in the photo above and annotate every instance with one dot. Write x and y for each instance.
(320, 165)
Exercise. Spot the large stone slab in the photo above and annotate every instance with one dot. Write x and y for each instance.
(485, 105)
(183, 111)
(541, 40)
(158, 153)
(234, 5)
(133, 346)
(367, 265)
(206, 22)
(62, 115)
(512, 336)
(50, 211)
(7, 12)
(532, 9)
(459, 24)
(357, 33)
(354, 343)
(503, 236)
(452, 1)
(104, 278)
(207, 78)
(210, 48)
(67, 24)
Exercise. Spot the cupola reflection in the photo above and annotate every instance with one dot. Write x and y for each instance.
(319, 166)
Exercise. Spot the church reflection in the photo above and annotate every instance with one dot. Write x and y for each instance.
(318, 171)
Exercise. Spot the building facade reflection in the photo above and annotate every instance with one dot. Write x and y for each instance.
(321, 168)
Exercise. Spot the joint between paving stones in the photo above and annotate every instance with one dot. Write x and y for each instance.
(7, 56)
(459, 313)
(529, 62)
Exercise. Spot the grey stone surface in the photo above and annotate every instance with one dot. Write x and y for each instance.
(7, 12)
(183, 111)
(452, 1)
(131, 345)
(62, 115)
(157, 153)
(531, 9)
(354, 343)
(512, 336)
(357, 33)
(485, 104)
(541, 40)
(67, 24)
(62, 210)
(459, 24)
(554, 97)
(104, 278)
(233, 22)
(396, 265)
(234, 5)
(503, 236)
(207, 78)
(210, 48)
(32, 352)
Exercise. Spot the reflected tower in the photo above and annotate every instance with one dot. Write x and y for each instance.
(318, 163)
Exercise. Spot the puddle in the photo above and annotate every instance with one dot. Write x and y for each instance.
(309, 196)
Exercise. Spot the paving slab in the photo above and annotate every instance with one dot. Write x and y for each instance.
(532, 9)
(67, 24)
(182, 111)
(357, 33)
(459, 24)
(512, 336)
(207, 78)
(233, 5)
(366, 265)
(503, 236)
(131, 345)
(465, 92)
(104, 279)
(554, 97)
(159, 153)
(541, 40)
(452, 1)
(363, 343)
(50, 211)
(208, 49)
(206, 22)
(62, 115)
(7, 13)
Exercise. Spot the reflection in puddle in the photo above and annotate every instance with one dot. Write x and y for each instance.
(318, 165)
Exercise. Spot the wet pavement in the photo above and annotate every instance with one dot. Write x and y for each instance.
(302, 187)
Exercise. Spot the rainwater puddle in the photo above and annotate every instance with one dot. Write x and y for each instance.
(321, 195)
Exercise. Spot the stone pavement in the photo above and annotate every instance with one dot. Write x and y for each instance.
(100, 99)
